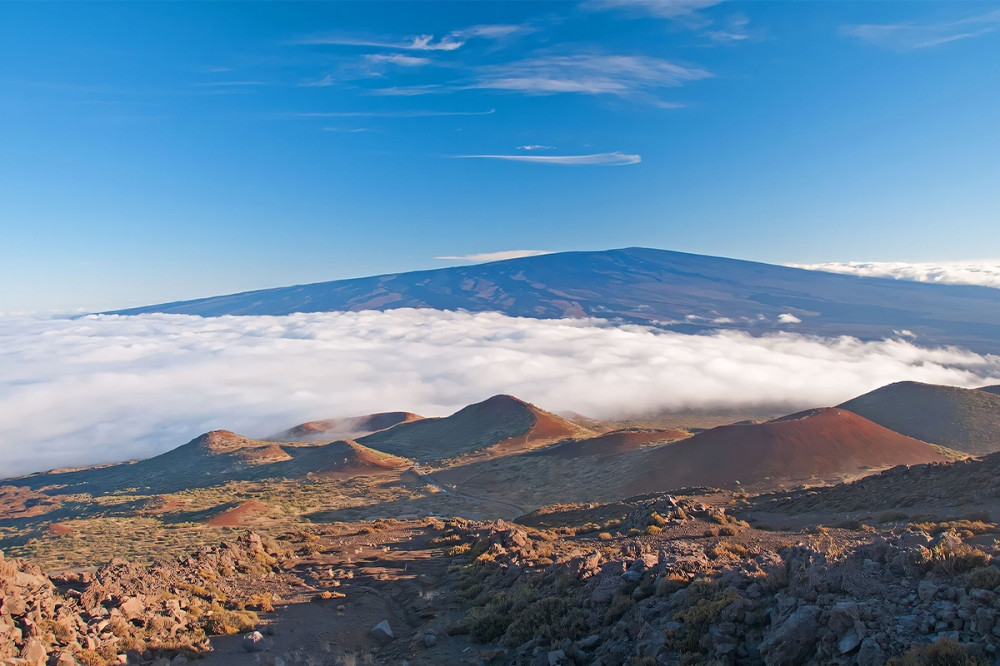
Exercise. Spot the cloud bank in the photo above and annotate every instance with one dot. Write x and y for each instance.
(107, 388)
(981, 273)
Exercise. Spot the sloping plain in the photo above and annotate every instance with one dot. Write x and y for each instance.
(961, 419)
(674, 290)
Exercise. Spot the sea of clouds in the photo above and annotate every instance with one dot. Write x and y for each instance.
(108, 388)
(981, 273)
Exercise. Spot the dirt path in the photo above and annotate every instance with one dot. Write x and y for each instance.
(395, 575)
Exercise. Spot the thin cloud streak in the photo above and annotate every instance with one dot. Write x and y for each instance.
(390, 114)
(493, 31)
(669, 9)
(397, 59)
(452, 41)
(597, 159)
(407, 91)
(106, 388)
(912, 36)
(226, 84)
(590, 74)
(496, 256)
(418, 43)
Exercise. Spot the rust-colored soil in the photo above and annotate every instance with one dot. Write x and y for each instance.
(547, 428)
(222, 441)
(57, 529)
(22, 502)
(345, 428)
(347, 458)
(237, 515)
(813, 445)
(264, 454)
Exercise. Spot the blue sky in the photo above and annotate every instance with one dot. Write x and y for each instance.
(153, 152)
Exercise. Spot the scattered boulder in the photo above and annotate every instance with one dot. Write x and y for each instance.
(382, 632)
(254, 642)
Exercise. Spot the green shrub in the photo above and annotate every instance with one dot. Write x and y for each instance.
(985, 578)
(704, 604)
(220, 621)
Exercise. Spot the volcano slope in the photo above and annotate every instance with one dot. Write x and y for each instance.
(856, 573)
(814, 446)
(501, 424)
(674, 290)
(962, 419)
(216, 458)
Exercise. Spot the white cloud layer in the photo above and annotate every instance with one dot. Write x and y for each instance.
(107, 388)
(597, 159)
(981, 273)
(496, 256)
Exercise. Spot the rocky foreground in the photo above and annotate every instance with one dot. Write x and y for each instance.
(841, 599)
(126, 613)
(657, 579)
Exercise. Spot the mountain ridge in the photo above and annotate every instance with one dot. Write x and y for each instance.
(677, 291)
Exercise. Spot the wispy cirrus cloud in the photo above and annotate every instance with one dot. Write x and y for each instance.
(452, 41)
(912, 36)
(390, 114)
(493, 31)
(495, 256)
(230, 84)
(669, 9)
(589, 74)
(416, 43)
(536, 146)
(400, 59)
(408, 91)
(735, 30)
(349, 130)
(597, 159)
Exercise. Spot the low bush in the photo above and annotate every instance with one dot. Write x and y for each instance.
(945, 652)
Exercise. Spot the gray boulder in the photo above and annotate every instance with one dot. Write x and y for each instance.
(382, 632)
(791, 641)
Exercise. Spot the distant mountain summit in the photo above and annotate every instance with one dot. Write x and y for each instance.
(674, 290)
